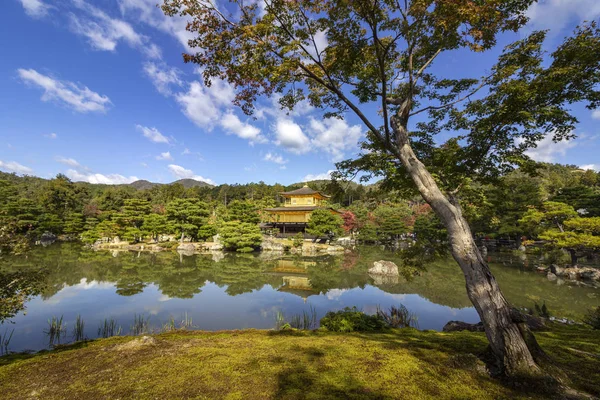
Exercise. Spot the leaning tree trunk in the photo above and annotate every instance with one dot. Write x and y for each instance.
(508, 337)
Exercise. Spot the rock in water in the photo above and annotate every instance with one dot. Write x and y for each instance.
(456, 326)
(383, 267)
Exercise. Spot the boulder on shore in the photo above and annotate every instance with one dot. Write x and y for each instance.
(383, 267)
(186, 247)
(534, 323)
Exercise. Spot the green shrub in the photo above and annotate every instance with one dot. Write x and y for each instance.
(298, 240)
(593, 318)
(238, 236)
(352, 320)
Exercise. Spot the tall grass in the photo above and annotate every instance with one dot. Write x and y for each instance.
(306, 321)
(185, 323)
(5, 341)
(78, 329)
(140, 325)
(109, 328)
(56, 330)
(398, 317)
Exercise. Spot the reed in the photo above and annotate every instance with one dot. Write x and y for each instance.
(109, 328)
(140, 325)
(78, 329)
(169, 326)
(56, 330)
(5, 341)
(305, 321)
(187, 321)
(398, 317)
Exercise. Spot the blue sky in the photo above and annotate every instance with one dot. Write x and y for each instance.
(98, 90)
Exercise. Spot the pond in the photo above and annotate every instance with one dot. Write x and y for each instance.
(234, 291)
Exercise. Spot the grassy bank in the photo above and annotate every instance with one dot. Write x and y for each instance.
(251, 364)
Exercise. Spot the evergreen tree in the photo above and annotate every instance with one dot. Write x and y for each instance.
(324, 223)
(187, 216)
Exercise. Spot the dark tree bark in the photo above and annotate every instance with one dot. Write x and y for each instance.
(510, 339)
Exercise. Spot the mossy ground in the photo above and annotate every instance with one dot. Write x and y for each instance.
(251, 364)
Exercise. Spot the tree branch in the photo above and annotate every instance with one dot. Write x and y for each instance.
(471, 93)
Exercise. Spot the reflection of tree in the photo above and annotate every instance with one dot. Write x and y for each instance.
(442, 283)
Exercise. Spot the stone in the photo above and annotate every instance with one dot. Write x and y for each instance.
(335, 249)
(216, 247)
(344, 241)
(271, 245)
(186, 247)
(383, 267)
(555, 269)
(483, 250)
(48, 237)
(216, 238)
(379, 280)
(457, 326)
(551, 276)
(541, 268)
(522, 248)
(590, 274)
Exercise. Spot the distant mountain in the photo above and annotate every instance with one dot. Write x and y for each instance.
(187, 183)
(142, 184)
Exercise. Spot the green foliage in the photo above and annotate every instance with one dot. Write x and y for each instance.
(391, 220)
(187, 216)
(243, 211)
(298, 240)
(74, 224)
(240, 236)
(324, 223)
(352, 320)
(593, 318)
(206, 232)
(154, 225)
(562, 228)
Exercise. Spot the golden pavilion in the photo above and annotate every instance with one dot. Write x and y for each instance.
(297, 209)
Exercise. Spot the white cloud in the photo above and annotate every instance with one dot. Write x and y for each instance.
(557, 15)
(165, 156)
(334, 136)
(548, 151)
(596, 114)
(186, 152)
(182, 173)
(35, 8)
(198, 106)
(147, 12)
(50, 135)
(78, 98)
(71, 162)
(152, 134)
(593, 167)
(276, 158)
(289, 135)
(232, 125)
(319, 177)
(104, 32)
(13, 166)
(162, 77)
(110, 179)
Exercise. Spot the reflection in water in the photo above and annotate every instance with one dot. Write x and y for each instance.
(234, 291)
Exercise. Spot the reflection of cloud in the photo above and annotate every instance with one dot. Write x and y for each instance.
(68, 292)
(163, 297)
(335, 294)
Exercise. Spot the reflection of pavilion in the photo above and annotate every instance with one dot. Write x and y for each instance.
(295, 280)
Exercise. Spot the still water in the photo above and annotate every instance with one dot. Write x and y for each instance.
(235, 291)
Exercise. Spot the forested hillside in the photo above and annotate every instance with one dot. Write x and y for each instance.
(30, 206)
